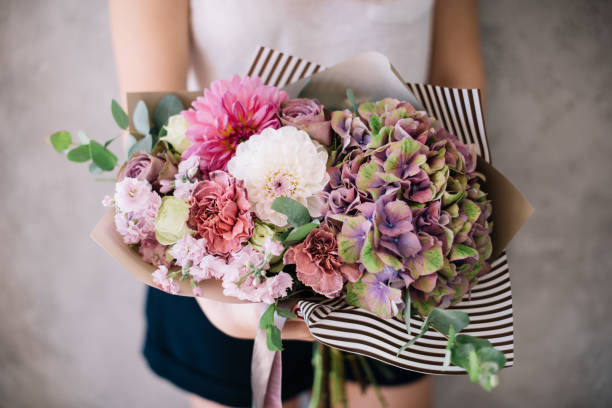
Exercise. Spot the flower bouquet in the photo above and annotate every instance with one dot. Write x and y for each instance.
(339, 192)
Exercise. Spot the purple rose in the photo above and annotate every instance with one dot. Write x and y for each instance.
(144, 166)
(307, 115)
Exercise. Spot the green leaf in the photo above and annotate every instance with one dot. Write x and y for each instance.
(351, 97)
(102, 157)
(140, 117)
(296, 213)
(460, 251)
(298, 234)
(479, 358)
(145, 144)
(273, 339)
(418, 336)
(406, 313)
(285, 313)
(121, 119)
(109, 141)
(169, 105)
(79, 154)
(267, 318)
(444, 320)
(61, 140)
(94, 170)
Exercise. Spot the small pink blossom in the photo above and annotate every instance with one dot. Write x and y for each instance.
(132, 195)
(188, 249)
(153, 252)
(272, 246)
(240, 281)
(108, 201)
(165, 186)
(183, 190)
(189, 167)
(160, 278)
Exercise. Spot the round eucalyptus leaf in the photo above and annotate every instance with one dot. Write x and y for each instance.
(102, 157)
(140, 117)
(79, 154)
(94, 170)
(61, 140)
(169, 105)
(119, 115)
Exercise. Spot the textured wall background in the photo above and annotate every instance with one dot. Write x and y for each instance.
(72, 323)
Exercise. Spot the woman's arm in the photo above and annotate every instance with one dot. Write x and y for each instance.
(151, 44)
(456, 59)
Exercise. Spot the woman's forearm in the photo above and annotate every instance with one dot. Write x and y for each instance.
(151, 44)
(456, 59)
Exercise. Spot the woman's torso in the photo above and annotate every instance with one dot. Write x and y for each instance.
(226, 34)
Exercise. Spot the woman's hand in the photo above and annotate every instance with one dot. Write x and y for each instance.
(241, 320)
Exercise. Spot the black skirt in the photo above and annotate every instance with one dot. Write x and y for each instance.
(182, 346)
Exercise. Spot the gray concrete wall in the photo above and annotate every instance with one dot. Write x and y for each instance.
(71, 320)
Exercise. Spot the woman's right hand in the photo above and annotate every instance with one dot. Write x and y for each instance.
(241, 320)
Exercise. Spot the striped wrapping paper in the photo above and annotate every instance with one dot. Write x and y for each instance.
(489, 305)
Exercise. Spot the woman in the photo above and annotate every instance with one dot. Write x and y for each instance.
(157, 41)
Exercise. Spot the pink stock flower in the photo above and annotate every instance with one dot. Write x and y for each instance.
(153, 252)
(209, 267)
(318, 264)
(240, 281)
(133, 195)
(160, 278)
(188, 249)
(229, 113)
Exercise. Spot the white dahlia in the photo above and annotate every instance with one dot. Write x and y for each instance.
(281, 162)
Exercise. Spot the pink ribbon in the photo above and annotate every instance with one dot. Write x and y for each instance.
(266, 371)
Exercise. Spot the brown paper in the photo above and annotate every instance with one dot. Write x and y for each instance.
(371, 77)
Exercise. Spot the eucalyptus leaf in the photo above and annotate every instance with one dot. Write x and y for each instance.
(284, 313)
(296, 213)
(140, 118)
(129, 142)
(145, 144)
(267, 318)
(298, 234)
(94, 170)
(109, 141)
(102, 157)
(119, 115)
(273, 339)
(406, 313)
(351, 97)
(169, 105)
(61, 140)
(83, 138)
(79, 154)
(442, 320)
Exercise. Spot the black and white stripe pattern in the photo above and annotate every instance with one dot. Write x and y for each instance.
(489, 304)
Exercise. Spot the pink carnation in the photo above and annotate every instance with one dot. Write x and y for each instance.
(221, 214)
(318, 264)
(229, 113)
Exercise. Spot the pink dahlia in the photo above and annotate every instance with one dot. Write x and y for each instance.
(229, 113)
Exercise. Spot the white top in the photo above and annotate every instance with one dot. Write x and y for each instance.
(227, 33)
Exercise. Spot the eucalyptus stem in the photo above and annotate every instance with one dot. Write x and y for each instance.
(337, 385)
